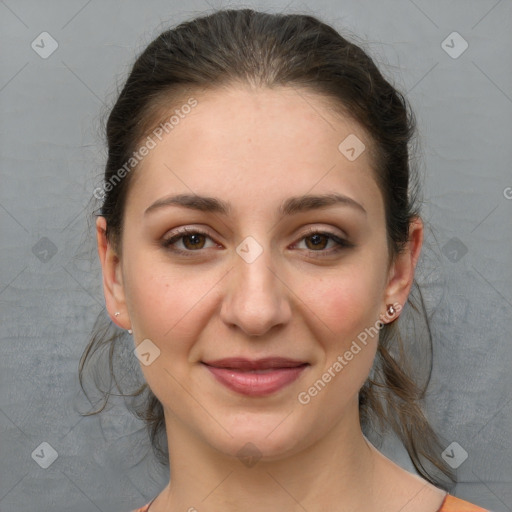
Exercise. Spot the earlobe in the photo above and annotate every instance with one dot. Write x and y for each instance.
(401, 272)
(112, 277)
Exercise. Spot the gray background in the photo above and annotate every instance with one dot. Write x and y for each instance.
(50, 290)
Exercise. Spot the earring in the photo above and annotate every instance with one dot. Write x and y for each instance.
(391, 310)
(117, 314)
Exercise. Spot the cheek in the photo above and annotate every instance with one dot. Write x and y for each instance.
(346, 306)
(166, 307)
(163, 301)
(346, 311)
(346, 303)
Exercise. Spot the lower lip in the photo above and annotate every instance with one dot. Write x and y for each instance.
(256, 383)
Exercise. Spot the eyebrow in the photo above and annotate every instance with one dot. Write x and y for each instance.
(290, 206)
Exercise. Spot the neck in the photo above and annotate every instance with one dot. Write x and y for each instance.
(337, 469)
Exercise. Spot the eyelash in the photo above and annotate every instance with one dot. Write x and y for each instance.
(341, 244)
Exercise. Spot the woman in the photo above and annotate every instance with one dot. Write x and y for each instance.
(258, 238)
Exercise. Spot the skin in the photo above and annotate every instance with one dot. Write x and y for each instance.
(255, 148)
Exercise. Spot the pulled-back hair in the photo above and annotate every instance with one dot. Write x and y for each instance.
(265, 50)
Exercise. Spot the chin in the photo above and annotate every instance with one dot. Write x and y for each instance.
(267, 438)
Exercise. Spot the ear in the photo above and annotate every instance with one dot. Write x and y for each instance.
(112, 277)
(401, 271)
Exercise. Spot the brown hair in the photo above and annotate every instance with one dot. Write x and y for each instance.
(269, 50)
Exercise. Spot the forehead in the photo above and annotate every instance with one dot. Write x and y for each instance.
(256, 144)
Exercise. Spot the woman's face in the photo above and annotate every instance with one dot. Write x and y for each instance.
(263, 274)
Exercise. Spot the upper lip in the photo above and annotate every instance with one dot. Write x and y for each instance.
(240, 363)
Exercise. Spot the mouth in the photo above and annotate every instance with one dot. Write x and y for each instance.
(260, 377)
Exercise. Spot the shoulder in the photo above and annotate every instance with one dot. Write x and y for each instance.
(450, 504)
(453, 504)
(142, 509)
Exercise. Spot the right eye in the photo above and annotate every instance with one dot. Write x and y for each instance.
(191, 239)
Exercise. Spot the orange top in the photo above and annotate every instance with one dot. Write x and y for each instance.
(453, 504)
(450, 504)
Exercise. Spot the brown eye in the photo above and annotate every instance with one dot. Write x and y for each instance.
(191, 240)
(194, 241)
(318, 241)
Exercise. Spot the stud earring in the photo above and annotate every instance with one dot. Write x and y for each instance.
(117, 313)
(391, 310)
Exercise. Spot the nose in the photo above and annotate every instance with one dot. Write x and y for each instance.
(256, 297)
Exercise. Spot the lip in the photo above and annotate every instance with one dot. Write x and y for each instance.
(256, 377)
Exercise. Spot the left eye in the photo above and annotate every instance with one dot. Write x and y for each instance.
(319, 240)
